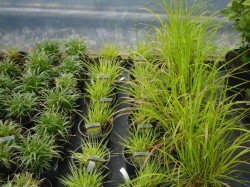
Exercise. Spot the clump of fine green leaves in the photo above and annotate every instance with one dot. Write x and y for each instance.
(53, 123)
(66, 81)
(79, 177)
(9, 68)
(139, 142)
(36, 152)
(91, 148)
(110, 51)
(71, 64)
(75, 46)
(23, 180)
(10, 128)
(63, 100)
(21, 105)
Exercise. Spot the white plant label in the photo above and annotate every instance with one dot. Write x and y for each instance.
(144, 126)
(102, 76)
(91, 166)
(98, 159)
(7, 138)
(92, 125)
(125, 174)
(106, 99)
(141, 153)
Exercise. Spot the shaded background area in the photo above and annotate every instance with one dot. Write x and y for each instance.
(24, 22)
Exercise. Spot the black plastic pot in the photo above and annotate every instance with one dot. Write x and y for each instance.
(105, 138)
(130, 167)
(104, 168)
(51, 174)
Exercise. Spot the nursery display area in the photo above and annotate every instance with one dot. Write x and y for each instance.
(173, 112)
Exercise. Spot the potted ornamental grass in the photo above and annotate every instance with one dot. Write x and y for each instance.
(38, 154)
(63, 100)
(21, 107)
(137, 146)
(110, 51)
(79, 177)
(71, 64)
(23, 179)
(100, 91)
(91, 153)
(53, 123)
(74, 46)
(9, 68)
(99, 121)
(32, 81)
(66, 81)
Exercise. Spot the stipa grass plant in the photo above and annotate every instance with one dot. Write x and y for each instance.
(79, 177)
(36, 153)
(63, 100)
(91, 150)
(34, 82)
(23, 180)
(21, 105)
(75, 46)
(110, 51)
(66, 81)
(151, 175)
(71, 64)
(143, 51)
(53, 123)
(99, 89)
(105, 69)
(99, 112)
(136, 143)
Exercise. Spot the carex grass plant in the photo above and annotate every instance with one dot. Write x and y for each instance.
(91, 150)
(9, 68)
(104, 69)
(71, 64)
(24, 179)
(32, 81)
(151, 175)
(75, 46)
(6, 160)
(66, 81)
(110, 51)
(202, 124)
(10, 128)
(96, 90)
(7, 83)
(53, 123)
(99, 112)
(36, 153)
(40, 62)
(50, 47)
(21, 105)
(136, 143)
(78, 177)
(63, 100)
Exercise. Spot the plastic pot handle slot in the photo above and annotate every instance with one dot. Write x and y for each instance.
(125, 174)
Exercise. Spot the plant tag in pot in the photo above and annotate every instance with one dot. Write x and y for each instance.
(106, 99)
(93, 129)
(102, 76)
(7, 139)
(139, 157)
(90, 166)
(98, 161)
(144, 127)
